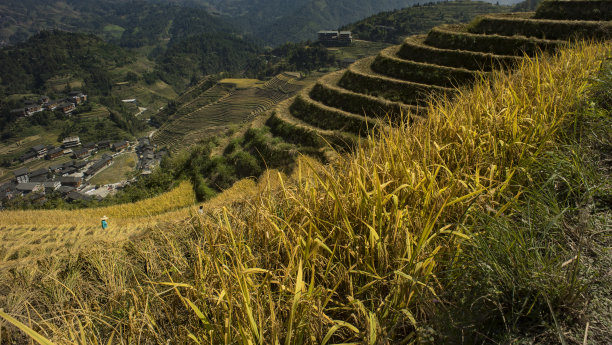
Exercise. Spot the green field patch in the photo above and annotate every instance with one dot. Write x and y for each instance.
(114, 31)
(118, 171)
(359, 49)
(97, 111)
(241, 83)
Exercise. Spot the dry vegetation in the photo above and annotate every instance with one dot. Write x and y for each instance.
(353, 252)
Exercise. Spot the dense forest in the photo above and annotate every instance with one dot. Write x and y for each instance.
(393, 26)
(125, 23)
(26, 67)
(204, 54)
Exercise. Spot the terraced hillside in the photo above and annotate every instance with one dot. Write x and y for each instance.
(221, 105)
(397, 82)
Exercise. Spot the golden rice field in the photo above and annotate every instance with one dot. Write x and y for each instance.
(30, 234)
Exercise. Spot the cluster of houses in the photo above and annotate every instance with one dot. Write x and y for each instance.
(147, 156)
(335, 38)
(70, 178)
(65, 105)
(69, 147)
(67, 179)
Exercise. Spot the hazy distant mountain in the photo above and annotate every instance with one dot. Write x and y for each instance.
(128, 23)
(279, 21)
(134, 23)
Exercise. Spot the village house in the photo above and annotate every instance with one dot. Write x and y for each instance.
(43, 99)
(28, 157)
(56, 168)
(55, 153)
(40, 150)
(40, 175)
(38, 198)
(335, 38)
(76, 196)
(51, 186)
(52, 105)
(66, 108)
(30, 187)
(81, 153)
(105, 161)
(104, 144)
(65, 189)
(71, 142)
(8, 190)
(77, 97)
(71, 181)
(32, 107)
(121, 145)
(21, 175)
(90, 146)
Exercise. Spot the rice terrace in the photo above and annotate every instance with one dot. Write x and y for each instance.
(449, 187)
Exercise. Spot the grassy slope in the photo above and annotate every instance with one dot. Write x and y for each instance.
(356, 251)
(122, 167)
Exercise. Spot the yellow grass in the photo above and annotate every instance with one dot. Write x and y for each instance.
(241, 83)
(25, 235)
(123, 214)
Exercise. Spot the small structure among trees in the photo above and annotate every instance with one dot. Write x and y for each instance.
(335, 38)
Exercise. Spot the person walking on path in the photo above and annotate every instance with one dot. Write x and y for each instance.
(104, 222)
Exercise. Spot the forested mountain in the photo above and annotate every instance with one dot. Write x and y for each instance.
(26, 67)
(126, 23)
(204, 54)
(393, 26)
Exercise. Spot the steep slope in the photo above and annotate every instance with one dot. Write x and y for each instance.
(450, 55)
(222, 104)
(394, 26)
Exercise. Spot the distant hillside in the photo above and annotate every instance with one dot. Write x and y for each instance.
(26, 67)
(204, 54)
(280, 21)
(393, 26)
(55, 62)
(126, 23)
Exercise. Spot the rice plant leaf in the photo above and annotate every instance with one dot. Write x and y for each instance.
(339, 324)
(200, 314)
(27, 330)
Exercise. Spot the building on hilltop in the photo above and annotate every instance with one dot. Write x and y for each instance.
(335, 38)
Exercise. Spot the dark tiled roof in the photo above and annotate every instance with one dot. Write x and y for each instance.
(39, 172)
(20, 172)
